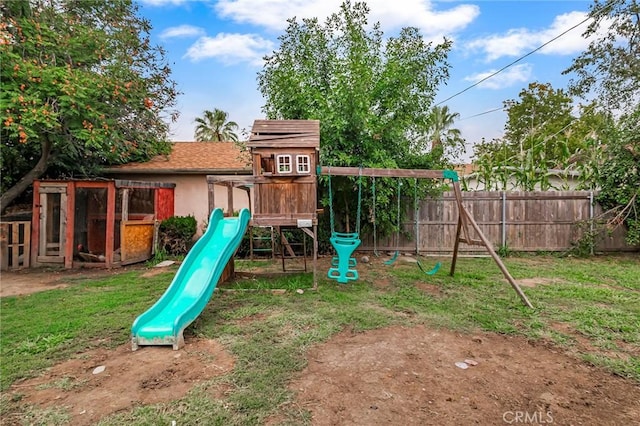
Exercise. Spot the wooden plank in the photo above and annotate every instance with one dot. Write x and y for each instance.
(50, 259)
(67, 217)
(124, 183)
(240, 179)
(164, 202)
(378, 172)
(4, 246)
(275, 125)
(279, 221)
(125, 205)
(211, 188)
(15, 242)
(27, 243)
(230, 209)
(285, 143)
(42, 243)
(49, 188)
(137, 240)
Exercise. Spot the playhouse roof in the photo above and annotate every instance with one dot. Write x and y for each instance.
(285, 134)
(192, 158)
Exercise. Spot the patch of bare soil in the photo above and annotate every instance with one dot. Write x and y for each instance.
(409, 376)
(534, 282)
(27, 281)
(152, 374)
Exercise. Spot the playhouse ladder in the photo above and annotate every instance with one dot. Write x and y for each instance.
(288, 252)
(256, 242)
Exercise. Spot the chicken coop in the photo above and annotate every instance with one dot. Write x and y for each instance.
(97, 223)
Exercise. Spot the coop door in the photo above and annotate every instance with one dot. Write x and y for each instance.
(53, 223)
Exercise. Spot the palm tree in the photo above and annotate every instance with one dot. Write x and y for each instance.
(440, 130)
(213, 126)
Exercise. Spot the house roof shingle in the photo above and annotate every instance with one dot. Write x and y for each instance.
(193, 157)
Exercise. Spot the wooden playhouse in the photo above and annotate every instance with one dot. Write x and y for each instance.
(97, 223)
(285, 154)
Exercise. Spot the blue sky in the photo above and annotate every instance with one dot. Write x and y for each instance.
(215, 50)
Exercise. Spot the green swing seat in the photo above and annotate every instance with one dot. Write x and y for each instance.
(348, 236)
(344, 247)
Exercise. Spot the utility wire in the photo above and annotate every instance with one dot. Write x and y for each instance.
(515, 62)
(482, 113)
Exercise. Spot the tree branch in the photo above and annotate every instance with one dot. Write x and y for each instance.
(41, 166)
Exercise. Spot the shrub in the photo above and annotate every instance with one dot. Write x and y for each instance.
(175, 235)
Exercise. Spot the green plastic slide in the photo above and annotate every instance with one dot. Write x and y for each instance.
(193, 284)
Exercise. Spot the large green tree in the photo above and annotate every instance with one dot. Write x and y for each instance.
(373, 95)
(213, 126)
(610, 68)
(82, 86)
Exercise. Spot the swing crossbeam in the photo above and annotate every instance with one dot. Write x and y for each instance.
(378, 172)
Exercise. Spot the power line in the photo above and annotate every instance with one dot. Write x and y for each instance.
(515, 62)
(482, 113)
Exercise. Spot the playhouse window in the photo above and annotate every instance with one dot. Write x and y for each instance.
(284, 163)
(303, 164)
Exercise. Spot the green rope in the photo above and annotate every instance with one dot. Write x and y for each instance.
(375, 241)
(398, 215)
(397, 252)
(415, 213)
(359, 202)
(331, 218)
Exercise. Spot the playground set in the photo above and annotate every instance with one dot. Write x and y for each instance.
(286, 167)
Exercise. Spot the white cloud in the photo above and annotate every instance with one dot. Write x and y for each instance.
(272, 14)
(507, 78)
(182, 31)
(231, 48)
(518, 41)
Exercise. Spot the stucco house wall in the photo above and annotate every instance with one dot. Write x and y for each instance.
(187, 166)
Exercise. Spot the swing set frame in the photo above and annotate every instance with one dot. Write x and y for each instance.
(465, 219)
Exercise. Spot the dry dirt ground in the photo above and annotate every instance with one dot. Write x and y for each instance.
(392, 376)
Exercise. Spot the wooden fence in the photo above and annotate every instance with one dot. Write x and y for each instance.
(519, 221)
(15, 243)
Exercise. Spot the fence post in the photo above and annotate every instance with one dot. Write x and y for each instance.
(504, 218)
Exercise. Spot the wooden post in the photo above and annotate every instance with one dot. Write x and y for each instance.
(212, 196)
(35, 223)
(68, 208)
(229, 199)
(111, 225)
(456, 245)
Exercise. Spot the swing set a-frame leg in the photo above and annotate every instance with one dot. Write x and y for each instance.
(456, 245)
(464, 218)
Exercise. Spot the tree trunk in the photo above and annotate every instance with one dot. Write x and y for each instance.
(14, 192)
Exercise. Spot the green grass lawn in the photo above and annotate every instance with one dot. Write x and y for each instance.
(595, 299)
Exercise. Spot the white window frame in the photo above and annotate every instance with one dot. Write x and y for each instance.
(287, 164)
(303, 167)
